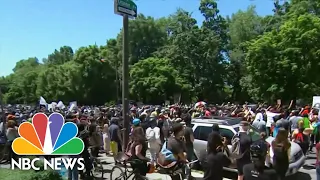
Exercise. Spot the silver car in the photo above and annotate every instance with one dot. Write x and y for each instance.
(228, 128)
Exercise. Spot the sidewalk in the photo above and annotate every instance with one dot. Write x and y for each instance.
(108, 164)
(153, 176)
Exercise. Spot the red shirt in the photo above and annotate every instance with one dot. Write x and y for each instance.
(207, 113)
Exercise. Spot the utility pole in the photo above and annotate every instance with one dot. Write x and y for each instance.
(125, 8)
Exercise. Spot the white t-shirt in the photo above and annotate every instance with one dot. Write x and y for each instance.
(12, 134)
(270, 116)
(153, 136)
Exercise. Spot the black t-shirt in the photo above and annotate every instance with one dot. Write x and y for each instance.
(245, 143)
(176, 146)
(187, 133)
(113, 130)
(143, 150)
(213, 166)
(250, 173)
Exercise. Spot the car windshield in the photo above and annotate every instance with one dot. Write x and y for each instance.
(254, 133)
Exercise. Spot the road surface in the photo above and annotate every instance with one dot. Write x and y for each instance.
(308, 171)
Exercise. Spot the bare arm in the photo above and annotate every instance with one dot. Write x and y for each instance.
(191, 138)
(138, 149)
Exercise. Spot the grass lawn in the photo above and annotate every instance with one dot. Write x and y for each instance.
(8, 174)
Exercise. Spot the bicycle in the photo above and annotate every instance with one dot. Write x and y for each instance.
(122, 162)
(177, 170)
(96, 163)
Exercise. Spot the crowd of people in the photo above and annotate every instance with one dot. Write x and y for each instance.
(167, 133)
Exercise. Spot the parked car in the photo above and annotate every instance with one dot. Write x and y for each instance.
(228, 128)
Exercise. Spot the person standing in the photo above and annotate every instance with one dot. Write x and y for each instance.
(115, 136)
(259, 122)
(154, 142)
(281, 152)
(188, 136)
(106, 138)
(257, 170)
(215, 159)
(245, 143)
(294, 119)
(11, 134)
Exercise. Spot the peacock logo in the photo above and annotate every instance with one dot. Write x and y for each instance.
(48, 136)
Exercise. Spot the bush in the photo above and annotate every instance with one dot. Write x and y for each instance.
(9, 174)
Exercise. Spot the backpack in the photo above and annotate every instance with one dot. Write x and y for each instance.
(299, 138)
(166, 156)
(235, 150)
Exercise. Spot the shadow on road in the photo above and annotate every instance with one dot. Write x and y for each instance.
(308, 167)
(311, 157)
(298, 176)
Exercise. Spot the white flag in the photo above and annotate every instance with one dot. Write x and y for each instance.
(72, 105)
(54, 105)
(60, 105)
(42, 101)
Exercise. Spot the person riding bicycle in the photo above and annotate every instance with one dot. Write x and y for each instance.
(177, 146)
(257, 170)
(176, 143)
(137, 152)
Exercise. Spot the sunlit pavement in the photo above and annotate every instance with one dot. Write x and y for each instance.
(308, 171)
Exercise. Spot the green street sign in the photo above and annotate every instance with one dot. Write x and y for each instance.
(125, 7)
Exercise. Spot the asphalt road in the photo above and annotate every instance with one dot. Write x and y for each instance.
(308, 171)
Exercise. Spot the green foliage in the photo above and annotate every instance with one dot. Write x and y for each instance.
(238, 58)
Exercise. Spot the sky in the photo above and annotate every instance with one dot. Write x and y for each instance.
(35, 28)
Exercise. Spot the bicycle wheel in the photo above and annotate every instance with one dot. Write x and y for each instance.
(139, 177)
(120, 175)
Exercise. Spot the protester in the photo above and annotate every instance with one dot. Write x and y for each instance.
(106, 138)
(215, 159)
(115, 136)
(257, 170)
(12, 134)
(245, 143)
(154, 142)
(138, 149)
(95, 140)
(188, 136)
(281, 152)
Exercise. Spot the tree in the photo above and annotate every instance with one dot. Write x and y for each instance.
(65, 54)
(153, 80)
(281, 64)
(243, 27)
(240, 58)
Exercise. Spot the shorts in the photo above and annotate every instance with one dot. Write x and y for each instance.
(114, 147)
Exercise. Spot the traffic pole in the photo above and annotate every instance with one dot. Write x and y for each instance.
(2, 112)
(125, 82)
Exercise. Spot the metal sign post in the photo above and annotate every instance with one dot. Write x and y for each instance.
(125, 8)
